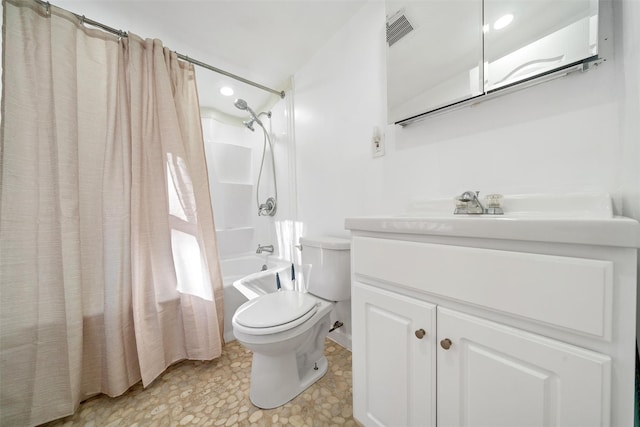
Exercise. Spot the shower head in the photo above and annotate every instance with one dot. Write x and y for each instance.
(242, 105)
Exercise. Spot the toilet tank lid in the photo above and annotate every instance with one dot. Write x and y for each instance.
(326, 242)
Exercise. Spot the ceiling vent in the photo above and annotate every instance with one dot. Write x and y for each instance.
(398, 26)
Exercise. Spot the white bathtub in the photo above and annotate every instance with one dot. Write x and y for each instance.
(234, 269)
(265, 282)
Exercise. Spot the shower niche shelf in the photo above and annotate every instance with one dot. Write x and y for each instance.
(230, 176)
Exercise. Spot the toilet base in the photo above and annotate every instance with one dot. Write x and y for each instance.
(268, 370)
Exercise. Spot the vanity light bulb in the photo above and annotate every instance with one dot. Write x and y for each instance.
(503, 21)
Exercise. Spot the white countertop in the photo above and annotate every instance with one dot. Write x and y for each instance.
(614, 231)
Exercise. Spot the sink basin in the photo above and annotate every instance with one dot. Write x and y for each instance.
(574, 218)
(592, 205)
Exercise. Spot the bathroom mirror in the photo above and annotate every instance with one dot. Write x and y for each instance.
(441, 53)
(434, 55)
(527, 38)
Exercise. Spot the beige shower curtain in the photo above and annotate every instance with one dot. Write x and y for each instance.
(108, 262)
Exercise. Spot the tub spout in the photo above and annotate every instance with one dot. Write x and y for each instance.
(265, 248)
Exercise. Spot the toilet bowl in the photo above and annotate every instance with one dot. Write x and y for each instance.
(286, 330)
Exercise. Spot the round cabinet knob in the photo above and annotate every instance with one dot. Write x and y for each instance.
(445, 343)
(420, 333)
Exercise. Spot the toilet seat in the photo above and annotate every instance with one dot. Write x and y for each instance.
(276, 312)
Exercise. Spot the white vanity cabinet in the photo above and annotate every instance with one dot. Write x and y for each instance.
(487, 374)
(456, 330)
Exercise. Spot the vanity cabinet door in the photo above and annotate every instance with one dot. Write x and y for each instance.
(494, 375)
(394, 342)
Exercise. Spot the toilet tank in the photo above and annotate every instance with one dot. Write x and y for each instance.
(327, 267)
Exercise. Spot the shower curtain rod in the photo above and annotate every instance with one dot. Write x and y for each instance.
(120, 33)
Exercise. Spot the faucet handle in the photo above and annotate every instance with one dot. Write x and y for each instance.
(469, 196)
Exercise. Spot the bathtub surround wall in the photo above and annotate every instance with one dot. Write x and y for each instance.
(233, 156)
(288, 228)
(229, 150)
(574, 134)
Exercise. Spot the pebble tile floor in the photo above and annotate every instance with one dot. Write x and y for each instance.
(216, 393)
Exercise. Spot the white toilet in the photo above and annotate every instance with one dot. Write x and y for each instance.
(286, 329)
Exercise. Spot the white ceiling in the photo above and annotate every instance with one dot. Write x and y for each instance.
(266, 41)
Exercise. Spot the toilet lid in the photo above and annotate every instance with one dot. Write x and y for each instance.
(275, 309)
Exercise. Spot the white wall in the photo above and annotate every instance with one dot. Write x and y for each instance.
(575, 134)
(340, 97)
(627, 14)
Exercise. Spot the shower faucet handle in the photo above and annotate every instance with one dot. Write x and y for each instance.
(268, 208)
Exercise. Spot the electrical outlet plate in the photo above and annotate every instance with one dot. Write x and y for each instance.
(377, 143)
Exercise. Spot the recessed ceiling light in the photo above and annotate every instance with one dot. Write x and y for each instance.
(503, 21)
(226, 91)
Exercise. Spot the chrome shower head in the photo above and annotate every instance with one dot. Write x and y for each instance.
(241, 104)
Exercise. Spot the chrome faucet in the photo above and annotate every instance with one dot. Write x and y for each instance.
(265, 248)
(473, 205)
(469, 204)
